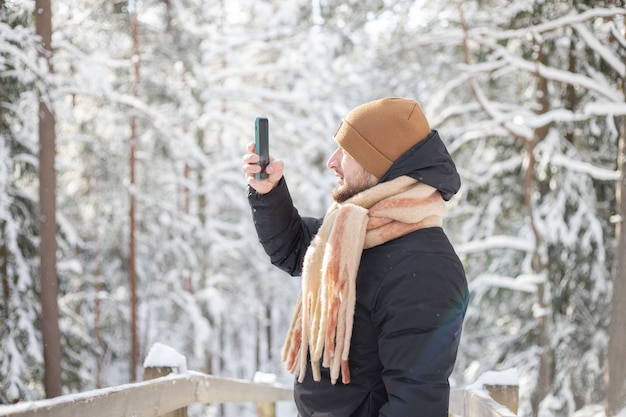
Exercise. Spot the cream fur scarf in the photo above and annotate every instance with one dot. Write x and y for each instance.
(322, 322)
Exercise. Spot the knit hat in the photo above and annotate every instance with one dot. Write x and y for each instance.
(377, 133)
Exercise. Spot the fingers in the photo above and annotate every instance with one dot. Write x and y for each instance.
(250, 168)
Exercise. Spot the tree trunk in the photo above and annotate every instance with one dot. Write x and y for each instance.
(268, 331)
(545, 372)
(4, 250)
(616, 370)
(4, 270)
(47, 217)
(134, 351)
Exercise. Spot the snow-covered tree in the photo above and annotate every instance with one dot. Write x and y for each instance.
(19, 335)
(525, 93)
(536, 146)
(206, 73)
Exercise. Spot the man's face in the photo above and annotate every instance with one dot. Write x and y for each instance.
(352, 177)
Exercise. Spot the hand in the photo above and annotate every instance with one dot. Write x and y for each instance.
(250, 168)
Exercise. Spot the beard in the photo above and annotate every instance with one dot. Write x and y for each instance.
(361, 182)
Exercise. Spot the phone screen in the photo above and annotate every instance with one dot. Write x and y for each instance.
(261, 144)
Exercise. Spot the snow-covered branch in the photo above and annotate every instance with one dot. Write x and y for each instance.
(496, 242)
(590, 110)
(455, 36)
(605, 109)
(524, 283)
(593, 171)
(568, 20)
(555, 74)
(614, 61)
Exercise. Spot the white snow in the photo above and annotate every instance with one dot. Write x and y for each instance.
(264, 378)
(598, 173)
(508, 377)
(207, 286)
(496, 242)
(526, 283)
(163, 356)
(594, 410)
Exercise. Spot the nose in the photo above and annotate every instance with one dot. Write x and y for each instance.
(334, 160)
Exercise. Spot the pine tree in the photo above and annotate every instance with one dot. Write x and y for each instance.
(20, 338)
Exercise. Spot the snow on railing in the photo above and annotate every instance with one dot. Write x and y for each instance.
(494, 394)
(169, 388)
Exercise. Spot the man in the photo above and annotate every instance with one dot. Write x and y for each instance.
(384, 294)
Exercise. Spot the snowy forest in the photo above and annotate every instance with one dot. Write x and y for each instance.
(122, 130)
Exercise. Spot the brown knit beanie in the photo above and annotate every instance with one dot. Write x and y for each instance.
(377, 133)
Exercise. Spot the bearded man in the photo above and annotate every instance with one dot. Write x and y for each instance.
(379, 318)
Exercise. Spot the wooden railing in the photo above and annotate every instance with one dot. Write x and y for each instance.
(164, 396)
(168, 394)
(485, 401)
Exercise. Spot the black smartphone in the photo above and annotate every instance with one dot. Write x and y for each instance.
(262, 145)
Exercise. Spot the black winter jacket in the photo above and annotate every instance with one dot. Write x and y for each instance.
(411, 300)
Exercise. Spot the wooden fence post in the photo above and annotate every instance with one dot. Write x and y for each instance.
(157, 372)
(163, 360)
(266, 409)
(507, 395)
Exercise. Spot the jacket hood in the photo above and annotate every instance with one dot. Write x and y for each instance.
(428, 162)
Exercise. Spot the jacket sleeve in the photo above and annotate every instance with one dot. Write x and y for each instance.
(285, 235)
(419, 333)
